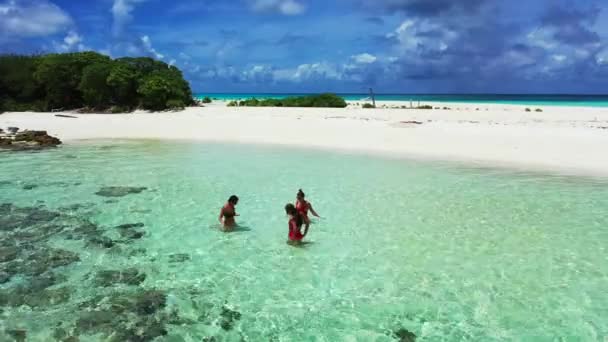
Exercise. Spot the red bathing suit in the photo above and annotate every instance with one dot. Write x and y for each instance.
(302, 207)
(294, 231)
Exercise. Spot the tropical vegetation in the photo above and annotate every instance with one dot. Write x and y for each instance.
(322, 100)
(90, 80)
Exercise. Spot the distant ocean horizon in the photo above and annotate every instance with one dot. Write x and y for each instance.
(522, 99)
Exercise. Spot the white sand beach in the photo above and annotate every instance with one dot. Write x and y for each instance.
(568, 140)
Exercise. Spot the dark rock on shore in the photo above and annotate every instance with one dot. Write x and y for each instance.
(4, 277)
(39, 262)
(12, 218)
(130, 316)
(27, 140)
(119, 191)
(229, 317)
(19, 335)
(102, 241)
(42, 138)
(8, 253)
(179, 257)
(130, 276)
(47, 259)
(4, 142)
(35, 294)
(405, 335)
(130, 225)
(132, 234)
(149, 302)
(145, 330)
(137, 251)
(31, 274)
(86, 228)
(90, 321)
(128, 231)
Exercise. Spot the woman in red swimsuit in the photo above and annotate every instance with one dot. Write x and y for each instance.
(303, 206)
(228, 212)
(295, 225)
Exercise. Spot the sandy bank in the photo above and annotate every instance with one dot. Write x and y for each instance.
(562, 139)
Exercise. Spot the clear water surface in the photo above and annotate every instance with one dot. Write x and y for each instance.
(448, 253)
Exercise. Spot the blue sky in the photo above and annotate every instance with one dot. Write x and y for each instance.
(395, 46)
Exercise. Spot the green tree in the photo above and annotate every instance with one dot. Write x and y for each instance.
(60, 75)
(56, 76)
(87, 78)
(123, 82)
(155, 91)
(19, 90)
(94, 87)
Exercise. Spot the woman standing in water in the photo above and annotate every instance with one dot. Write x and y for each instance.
(228, 212)
(295, 225)
(303, 206)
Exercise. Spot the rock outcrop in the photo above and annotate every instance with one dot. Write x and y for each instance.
(26, 140)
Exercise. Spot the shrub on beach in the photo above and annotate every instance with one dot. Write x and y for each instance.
(175, 104)
(368, 105)
(528, 110)
(88, 79)
(119, 109)
(424, 107)
(232, 104)
(206, 99)
(322, 100)
(539, 110)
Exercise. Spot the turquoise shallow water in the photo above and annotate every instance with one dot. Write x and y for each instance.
(512, 99)
(446, 252)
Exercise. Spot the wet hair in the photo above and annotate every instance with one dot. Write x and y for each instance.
(300, 194)
(233, 199)
(290, 209)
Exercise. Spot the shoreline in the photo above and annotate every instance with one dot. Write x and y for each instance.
(562, 140)
(543, 100)
(458, 163)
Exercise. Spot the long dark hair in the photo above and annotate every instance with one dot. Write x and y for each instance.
(300, 194)
(233, 199)
(290, 209)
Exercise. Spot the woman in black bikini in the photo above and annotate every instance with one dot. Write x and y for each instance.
(228, 212)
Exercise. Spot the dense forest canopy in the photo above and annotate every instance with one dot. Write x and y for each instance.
(91, 80)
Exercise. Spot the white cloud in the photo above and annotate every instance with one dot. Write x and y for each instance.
(602, 57)
(72, 38)
(147, 44)
(286, 7)
(543, 38)
(364, 58)
(121, 11)
(106, 52)
(32, 19)
(71, 42)
(415, 35)
(559, 58)
(307, 72)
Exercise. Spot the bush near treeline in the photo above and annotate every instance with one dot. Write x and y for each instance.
(88, 79)
(322, 100)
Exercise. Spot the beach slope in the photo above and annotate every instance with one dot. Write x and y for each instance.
(559, 139)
